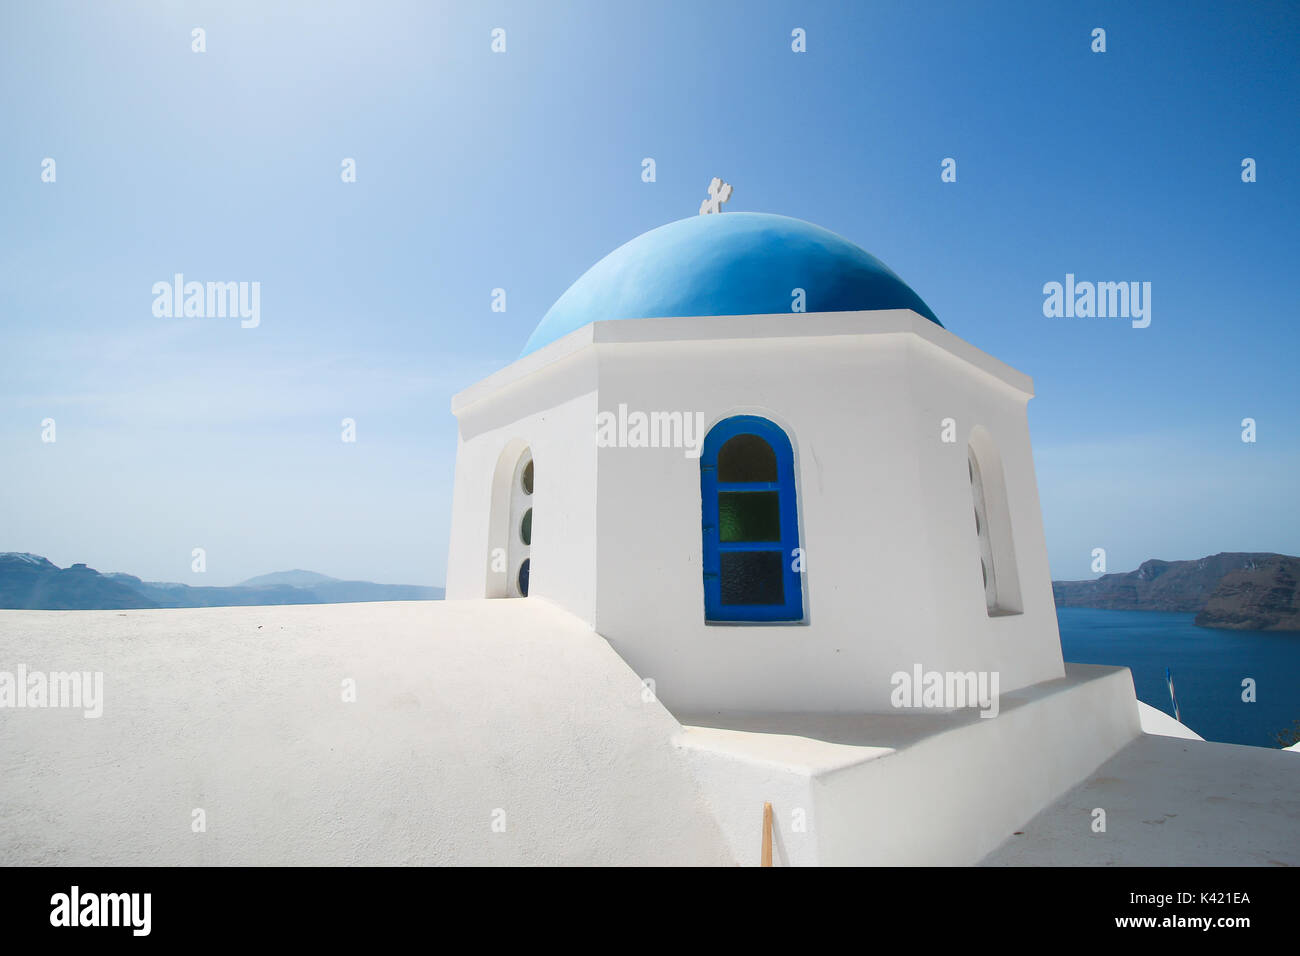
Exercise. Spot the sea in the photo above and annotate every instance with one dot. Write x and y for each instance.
(1208, 668)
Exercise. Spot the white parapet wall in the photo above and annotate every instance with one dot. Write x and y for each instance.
(1156, 721)
(907, 789)
(476, 732)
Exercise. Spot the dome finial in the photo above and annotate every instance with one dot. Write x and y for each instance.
(719, 192)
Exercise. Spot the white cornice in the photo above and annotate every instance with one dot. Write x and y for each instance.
(784, 325)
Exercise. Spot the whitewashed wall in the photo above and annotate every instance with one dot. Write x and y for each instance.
(553, 412)
(885, 506)
(864, 791)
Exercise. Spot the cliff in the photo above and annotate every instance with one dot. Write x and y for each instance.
(1184, 586)
(1262, 598)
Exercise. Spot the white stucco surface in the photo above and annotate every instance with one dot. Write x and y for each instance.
(1156, 721)
(907, 789)
(462, 708)
(554, 418)
(466, 708)
(1171, 802)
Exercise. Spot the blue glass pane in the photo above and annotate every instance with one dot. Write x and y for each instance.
(752, 577)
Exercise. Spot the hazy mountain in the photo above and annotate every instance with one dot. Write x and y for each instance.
(30, 581)
(1246, 590)
(294, 579)
(346, 592)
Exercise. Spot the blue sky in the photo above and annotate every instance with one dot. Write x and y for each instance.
(519, 170)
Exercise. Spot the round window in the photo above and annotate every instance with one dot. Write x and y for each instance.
(527, 479)
(526, 527)
(523, 578)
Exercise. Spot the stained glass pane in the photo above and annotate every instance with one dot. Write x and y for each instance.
(746, 458)
(527, 479)
(526, 527)
(752, 577)
(749, 515)
(523, 578)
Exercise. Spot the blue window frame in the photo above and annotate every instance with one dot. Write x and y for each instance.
(750, 523)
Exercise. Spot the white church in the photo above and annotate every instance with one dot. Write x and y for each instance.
(746, 564)
(856, 508)
(759, 570)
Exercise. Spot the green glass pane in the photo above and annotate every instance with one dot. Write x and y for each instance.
(749, 515)
(526, 527)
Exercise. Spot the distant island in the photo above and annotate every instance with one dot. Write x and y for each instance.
(1234, 590)
(31, 582)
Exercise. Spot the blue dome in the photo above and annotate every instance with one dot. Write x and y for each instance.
(735, 263)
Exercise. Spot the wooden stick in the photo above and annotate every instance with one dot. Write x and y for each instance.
(767, 835)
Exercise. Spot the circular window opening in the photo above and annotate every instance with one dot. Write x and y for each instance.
(523, 578)
(526, 527)
(527, 479)
(983, 570)
(977, 520)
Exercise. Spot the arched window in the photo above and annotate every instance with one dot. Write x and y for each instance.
(987, 567)
(750, 523)
(997, 554)
(510, 522)
(520, 549)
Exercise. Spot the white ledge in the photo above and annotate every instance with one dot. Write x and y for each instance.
(782, 325)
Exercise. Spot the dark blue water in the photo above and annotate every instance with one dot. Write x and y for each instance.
(1208, 667)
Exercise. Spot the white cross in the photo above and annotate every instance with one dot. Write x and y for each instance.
(719, 192)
